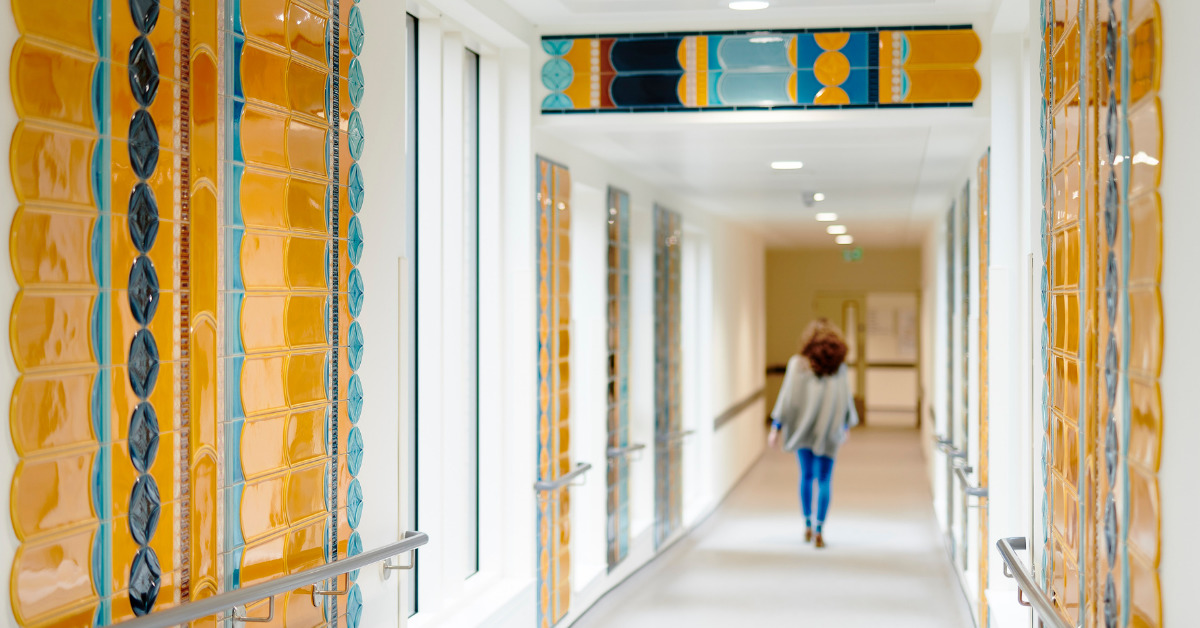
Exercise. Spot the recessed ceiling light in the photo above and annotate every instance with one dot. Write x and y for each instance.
(818, 197)
(836, 229)
(845, 239)
(787, 165)
(826, 217)
(748, 5)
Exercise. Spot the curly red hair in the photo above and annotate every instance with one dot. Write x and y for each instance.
(825, 350)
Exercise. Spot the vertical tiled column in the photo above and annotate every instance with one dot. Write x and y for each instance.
(554, 363)
(618, 374)
(983, 183)
(145, 227)
(202, 331)
(668, 475)
(281, 294)
(61, 417)
(1066, 302)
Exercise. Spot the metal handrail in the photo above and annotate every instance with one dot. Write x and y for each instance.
(968, 488)
(554, 485)
(1013, 568)
(676, 436)
(618, 452)
(231, 600)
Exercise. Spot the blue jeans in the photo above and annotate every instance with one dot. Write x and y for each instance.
(820, 469)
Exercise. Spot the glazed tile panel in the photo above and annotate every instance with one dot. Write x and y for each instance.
(187, 247)
(668, 362)
(862, 67)
(1108, 243)
(618, 375)
(983, 176)
(554, 389)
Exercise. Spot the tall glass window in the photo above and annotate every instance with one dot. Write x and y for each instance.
(471, 224)
(410, 245)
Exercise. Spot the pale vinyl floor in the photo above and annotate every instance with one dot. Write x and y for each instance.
(748, 565)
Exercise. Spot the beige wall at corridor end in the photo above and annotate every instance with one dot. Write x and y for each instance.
(794, 278)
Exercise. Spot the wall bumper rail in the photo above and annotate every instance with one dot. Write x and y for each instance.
(566, 479)
(237, 599)
(968, 489)
(1028, 592)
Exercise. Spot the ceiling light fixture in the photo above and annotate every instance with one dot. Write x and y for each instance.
(845, 239)
(748, 5)
(818, 197)
(787, 165)
(826, 217)
(836, 229)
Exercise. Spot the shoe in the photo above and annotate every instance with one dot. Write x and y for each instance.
(820, 542)
(808, 535)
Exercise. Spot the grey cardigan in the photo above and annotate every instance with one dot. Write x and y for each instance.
(814, 412)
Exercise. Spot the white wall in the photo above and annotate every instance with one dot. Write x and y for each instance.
(1181, 301)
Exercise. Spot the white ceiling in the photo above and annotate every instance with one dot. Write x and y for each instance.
(580, 16)
(887, 173)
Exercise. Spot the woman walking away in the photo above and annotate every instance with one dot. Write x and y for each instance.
(814, 411)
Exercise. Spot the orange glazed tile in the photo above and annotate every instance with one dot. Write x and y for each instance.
(263, 196)
(51, 331)
(52, 575)
(164, 470)
(162, 38)
(163, 255)
(264, 137)
(1146, 337)
(306, 493)
(265, 75)
(66, 22)
(300, 613)
(51, 166)
(204, 104)
(1145, 217)
(306, 33)
(832, 68)
(124, 400)
(306, 147)
(122, 107)
(306, 547)
(49, 247)
(263, 443)
(205, 549)
(1145, 137)
(306, 206)
(203, 254)
(1144, 515)
(124, 548)
(1146, 58)
(306, 258)
(262, 385)
(52, 495)
(262, 507)
(264, 561)
(162, 327)
(53, 84)
(162, 182)
(306, 89)
(305, 321)
(306, 378)
(52, 413)
(265, 20)
(263, 261)
(1145, 593)
(73, 618)
(306, 436)
(204, 26)
(1146, 424)
(262, 323)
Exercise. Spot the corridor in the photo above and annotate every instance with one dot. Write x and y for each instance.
(748, 565)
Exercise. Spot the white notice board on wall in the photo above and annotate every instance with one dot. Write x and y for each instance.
(892, 353)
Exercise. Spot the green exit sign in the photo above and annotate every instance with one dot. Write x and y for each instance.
(853, 255)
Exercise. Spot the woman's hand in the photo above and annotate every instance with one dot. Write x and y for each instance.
(772, 436)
